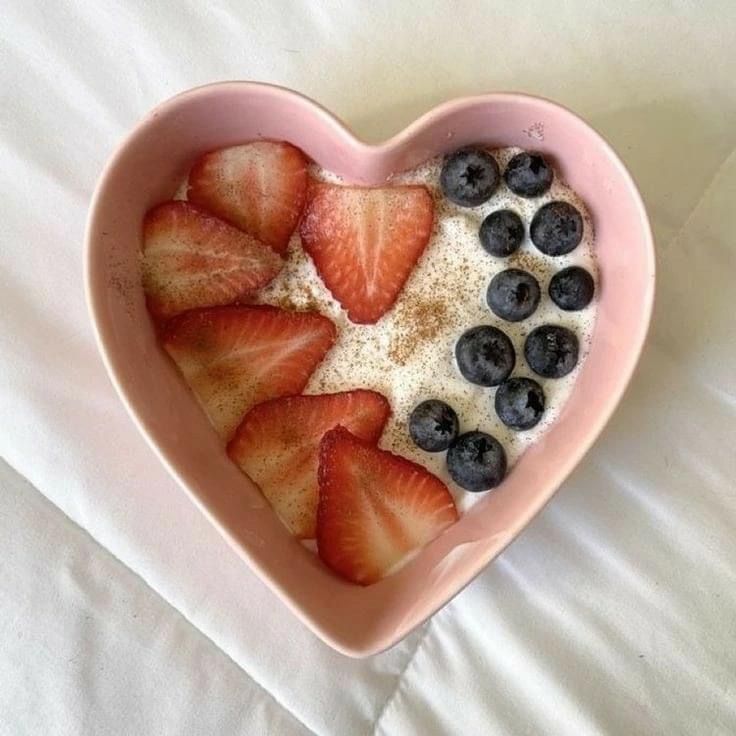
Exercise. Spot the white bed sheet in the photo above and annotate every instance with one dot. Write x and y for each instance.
(613, 613)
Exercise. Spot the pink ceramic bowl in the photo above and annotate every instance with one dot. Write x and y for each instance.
(145, 170)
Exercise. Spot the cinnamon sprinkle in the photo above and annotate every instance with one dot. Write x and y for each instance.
(303, 300)
(418, 321)
(527, 261)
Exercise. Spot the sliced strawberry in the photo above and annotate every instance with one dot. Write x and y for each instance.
(236, 357)
(365, 242)
(192, 259)
(277, 446)
(259, 187)
(374, 507)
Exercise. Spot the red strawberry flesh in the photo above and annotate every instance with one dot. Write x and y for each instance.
(365, 242)
(235, 357)
(374, 507)
(259, 187)
(277, 446)
(192, 259)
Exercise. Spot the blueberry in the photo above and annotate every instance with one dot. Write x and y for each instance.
(469, 177)
(513, 294)
(476, 461)
(485, 355)
(433, 425)
(528, 174)
(557, 228)
(551, 351)
(501, 233)
(572, 288)
(519, 403)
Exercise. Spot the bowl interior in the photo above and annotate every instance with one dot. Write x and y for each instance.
(145, 171)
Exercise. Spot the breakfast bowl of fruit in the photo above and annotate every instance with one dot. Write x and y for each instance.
(369, 366)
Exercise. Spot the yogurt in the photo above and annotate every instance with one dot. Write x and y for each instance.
(408, 355)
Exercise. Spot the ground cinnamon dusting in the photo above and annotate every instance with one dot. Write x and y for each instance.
(418, 321)
(293, 293)
(527, 262)
(303, 300)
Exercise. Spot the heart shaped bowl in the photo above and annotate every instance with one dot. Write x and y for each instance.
(146, 168)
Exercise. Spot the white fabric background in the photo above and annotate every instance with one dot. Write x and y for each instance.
(122, 611)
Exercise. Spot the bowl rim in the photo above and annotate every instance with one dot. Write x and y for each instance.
(93, 294)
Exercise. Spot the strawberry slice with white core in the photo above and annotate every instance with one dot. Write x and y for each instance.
(259, 187)
(235, 357)
(374, 507)
(277, 447)
(192, 259)
(365, 242)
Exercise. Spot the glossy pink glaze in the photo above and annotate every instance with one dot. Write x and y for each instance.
(145, 170)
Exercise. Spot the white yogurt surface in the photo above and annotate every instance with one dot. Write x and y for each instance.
(409, 354)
